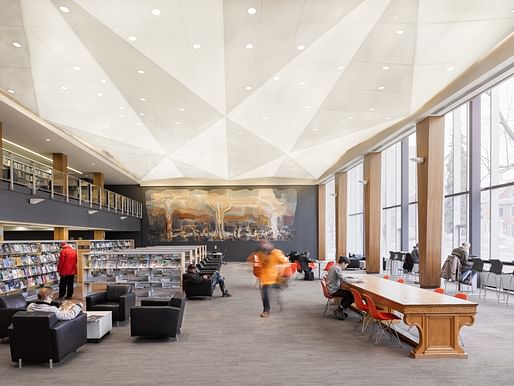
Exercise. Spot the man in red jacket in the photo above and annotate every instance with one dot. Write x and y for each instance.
(67, 268)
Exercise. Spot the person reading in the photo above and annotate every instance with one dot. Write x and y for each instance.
(65, 311)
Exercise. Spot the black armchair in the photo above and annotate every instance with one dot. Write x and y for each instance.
(197, 289)
(158, 317)
(41, 337)
(118, 298)
(9, 305)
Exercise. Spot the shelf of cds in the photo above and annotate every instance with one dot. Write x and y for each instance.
(28, 265)
(152, 273)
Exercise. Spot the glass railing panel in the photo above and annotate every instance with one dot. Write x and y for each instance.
(74, 187)
(84, 191)
(59, 182)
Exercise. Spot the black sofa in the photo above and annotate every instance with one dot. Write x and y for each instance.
(118, 298)
(9, 305)
(41, 337)
(158, 318)
(196, 290)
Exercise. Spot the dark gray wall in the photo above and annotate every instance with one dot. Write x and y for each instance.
(306, 220)
(15, 207)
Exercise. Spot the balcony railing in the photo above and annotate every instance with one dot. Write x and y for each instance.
(18, 170)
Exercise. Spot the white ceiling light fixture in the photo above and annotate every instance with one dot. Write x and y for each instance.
(156, 12)
(11, 91)
(249, 46)
(276, 78)
(178, 123)
(385, 68)
(100, 94)
(371, 109)
(450, 69)
(122, 116)
(240, 112)
(380, 87)
(141, 114)
(350, 117)
(196, 46)
(16, 44)
(252, 11)
(315, 129)
(64, 88)
(300, 47)
(132, 38)
(388, 118)
(103, 81)
(122, 107)
(248, 88)
(303, 83)
(47, 139)
(106, 127)
(400, 32)
(140, 71)
(340, 68)
(307, 107)
(76, 68)
(181, 109)
(264, 118)
(142, 99)
(64, 9)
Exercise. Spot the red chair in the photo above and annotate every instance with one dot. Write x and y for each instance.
(362, 307)
(462, 296)
(381, 318)
(400, 280)
(439, 290)
(387, 277)
(326, 294)
(328, 266)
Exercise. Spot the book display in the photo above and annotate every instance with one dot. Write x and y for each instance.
(27, 265)
(151, 272)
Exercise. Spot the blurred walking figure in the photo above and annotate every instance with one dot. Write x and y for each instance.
(272, 263)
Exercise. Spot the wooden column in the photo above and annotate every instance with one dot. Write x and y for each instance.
(341, 214)
(1, 232)
(430, 146)
(321, 221)
(61, 233)
(372, 209)
(60, 168)
(98, 234)
(98, 182)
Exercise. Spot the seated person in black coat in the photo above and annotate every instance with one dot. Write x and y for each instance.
(193, 276)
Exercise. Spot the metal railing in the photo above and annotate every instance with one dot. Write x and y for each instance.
(18, 170)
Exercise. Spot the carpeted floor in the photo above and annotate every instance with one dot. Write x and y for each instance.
(225, 342)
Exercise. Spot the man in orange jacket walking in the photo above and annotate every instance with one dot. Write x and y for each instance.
(67, 268)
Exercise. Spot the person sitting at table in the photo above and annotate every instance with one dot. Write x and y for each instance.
(65, 311)
(337, 286)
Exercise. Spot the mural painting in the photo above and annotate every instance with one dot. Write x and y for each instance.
(220, 214)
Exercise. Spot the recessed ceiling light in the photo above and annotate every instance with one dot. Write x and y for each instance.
(340, 68)
(252, 11)
(181, 109)
(350, 117)
(196, 46)
(132, 38)
(276, 78)
(300, 47)
(122, 116)
(16, 44)
(234, 152)
(240, 111)
(93, 164)
(315, 129)
(76, 68)
(140, 124)
(156, 12)
(371, 109)
(11, 91)
(140, 72)
(380, 87)
(306, 107)
(178, 123)
(64, 9)
(385, 68)
(47, 139)
(141, 114)
(103, 81)
(64, 88)
(142, 99)
(248, 88)
(303, 83)
(99, 94)
(264, 118)
(122, 107)
(278, 132)
(400, 32)
(388, 118)
(249, 46)
(451, 68)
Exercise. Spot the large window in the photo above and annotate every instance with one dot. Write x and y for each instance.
(330, 219)
(355, 233)
(413, 192)
(497, 171)
(456, 150)
(391, 198)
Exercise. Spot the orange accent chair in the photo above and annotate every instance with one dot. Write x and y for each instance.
(382, 320)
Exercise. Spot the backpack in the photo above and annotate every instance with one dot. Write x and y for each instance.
(309, 276)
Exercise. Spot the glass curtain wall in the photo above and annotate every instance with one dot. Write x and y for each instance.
(413, 193)
(330, 220)
(497, 172)
(355, 226)
(391, 199)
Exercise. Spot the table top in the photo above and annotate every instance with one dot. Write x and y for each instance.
(402, 293)
(98, 313)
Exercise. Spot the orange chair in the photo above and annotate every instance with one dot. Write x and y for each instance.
(381, 318)
(439, 290)
(326, 294)
(400, 280)
(328, 266)
(387, 277)
(362, 307)
(462, 296)
(288, 271)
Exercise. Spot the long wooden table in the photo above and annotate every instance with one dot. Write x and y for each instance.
(437, 317)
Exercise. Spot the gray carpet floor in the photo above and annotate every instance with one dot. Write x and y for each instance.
(225, 342)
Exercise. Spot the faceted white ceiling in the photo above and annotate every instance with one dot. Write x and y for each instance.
(231, 90)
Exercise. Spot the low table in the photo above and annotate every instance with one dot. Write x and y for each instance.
(99, 324)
